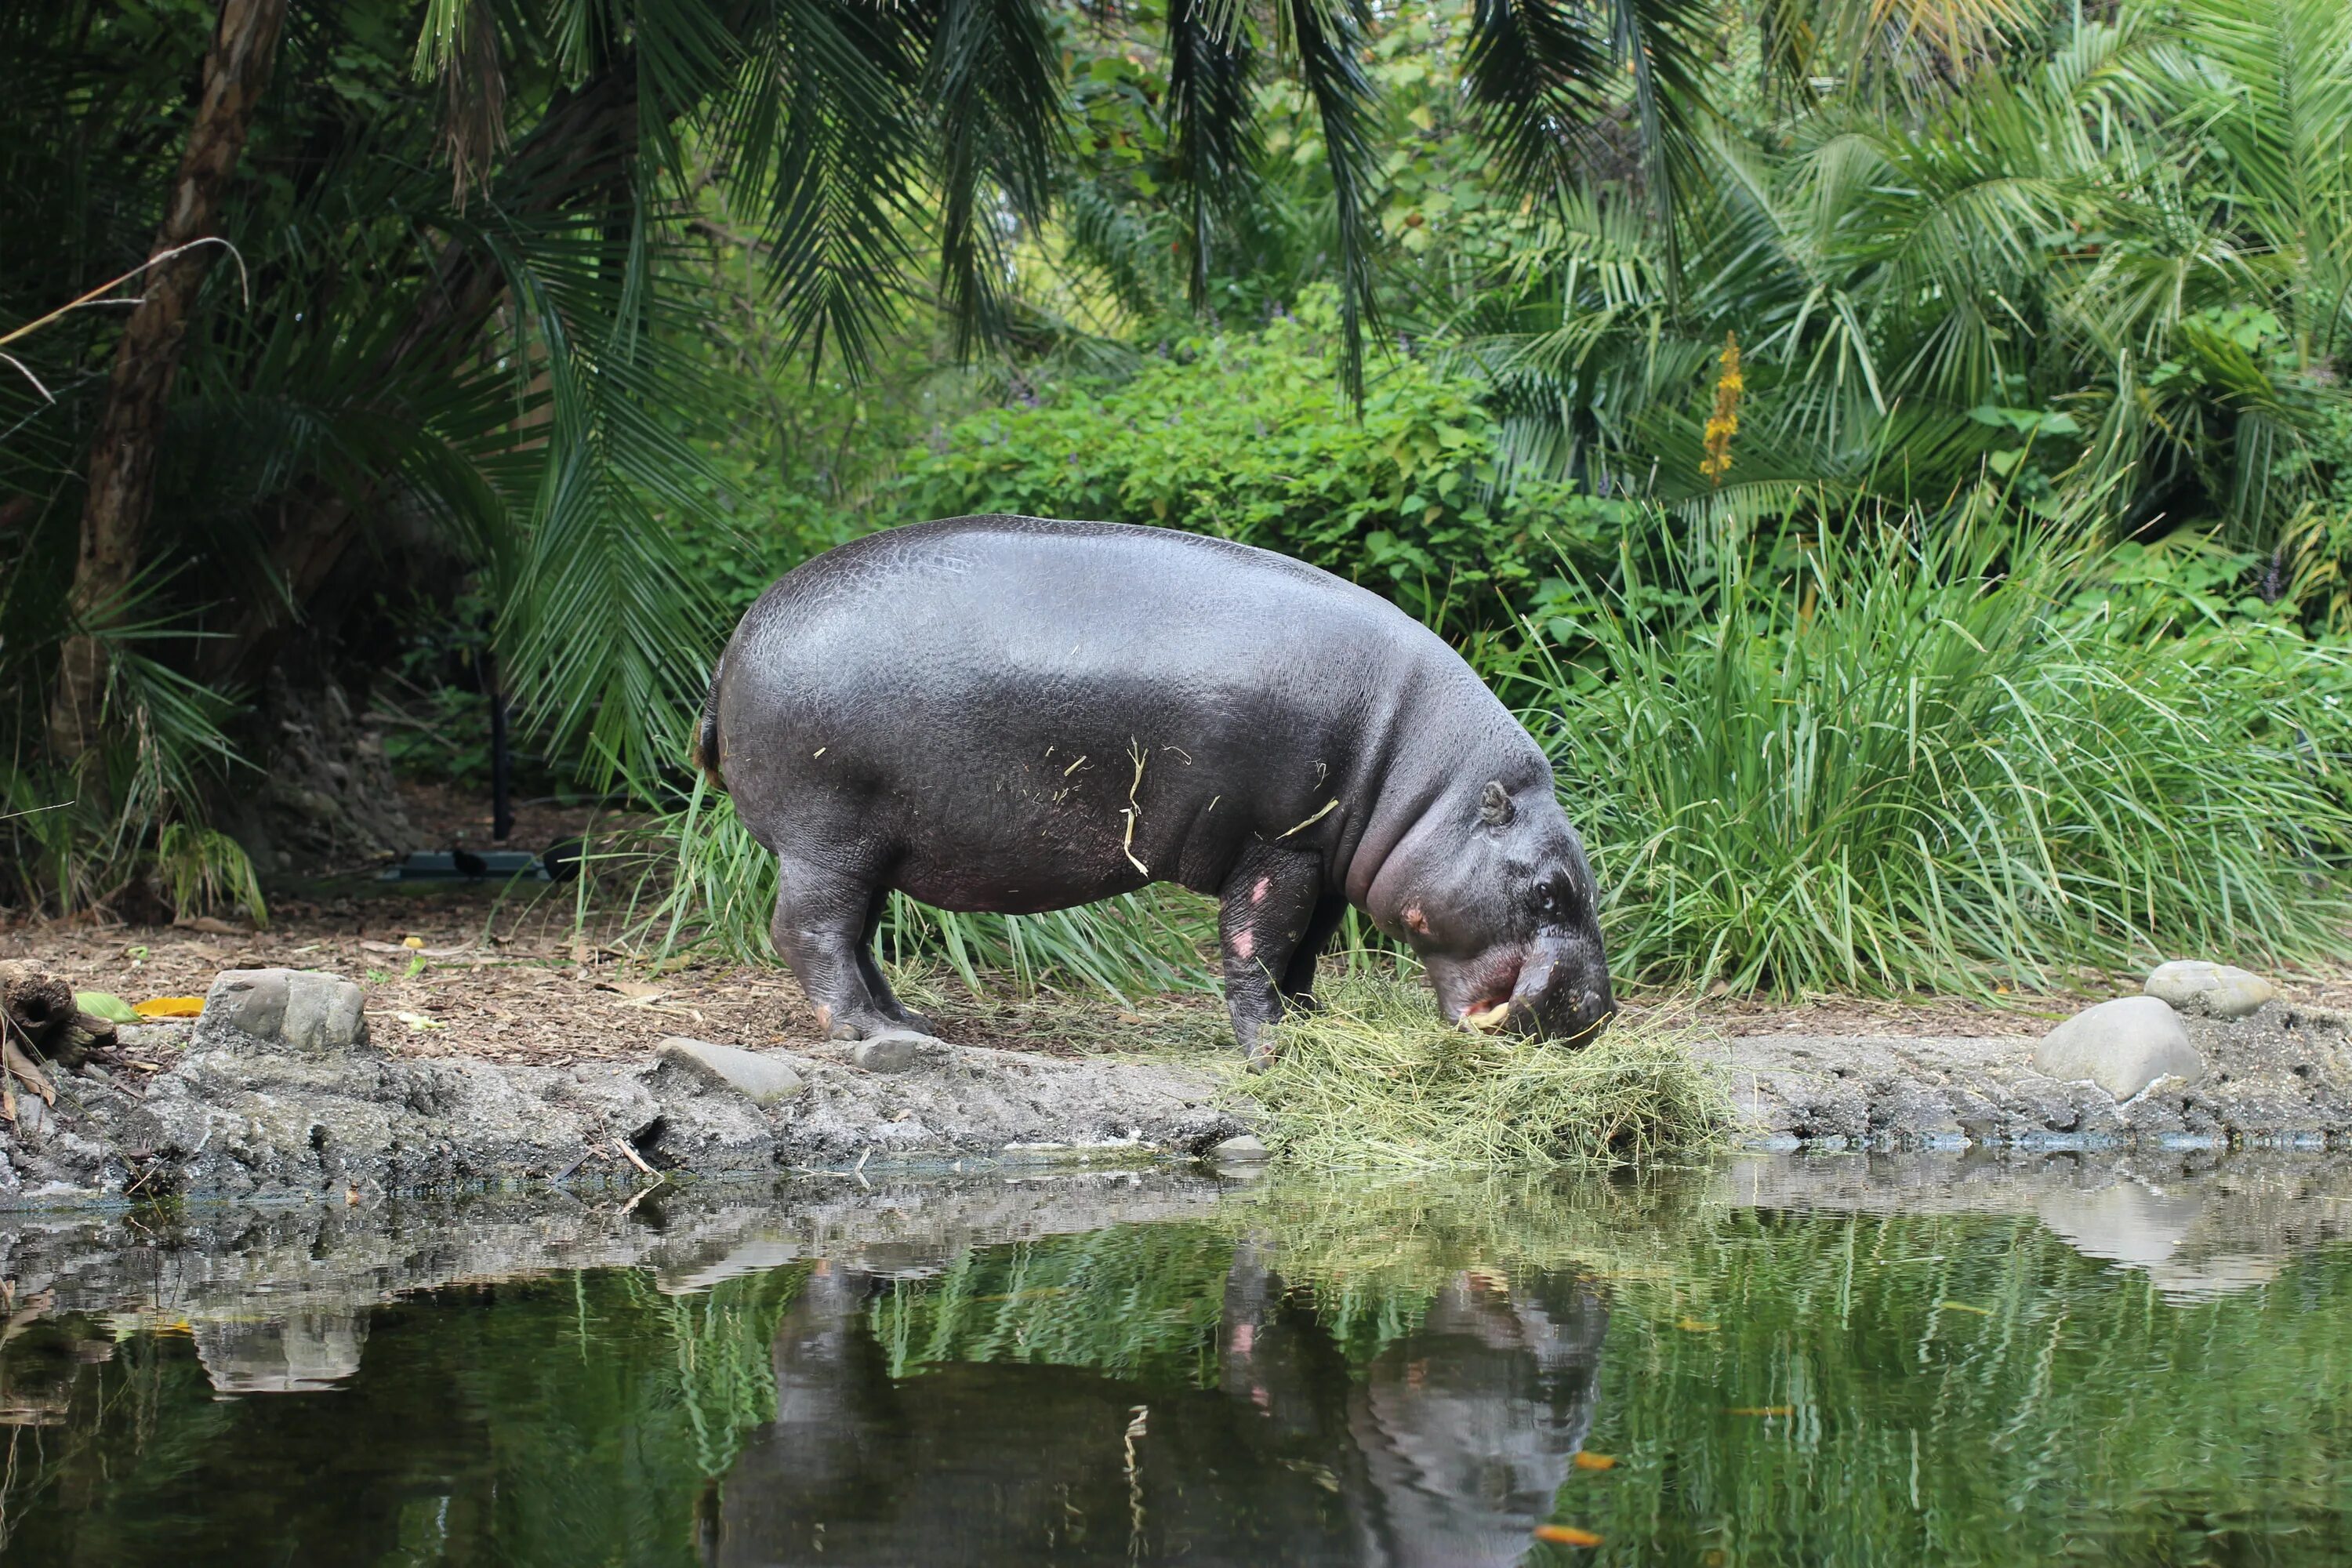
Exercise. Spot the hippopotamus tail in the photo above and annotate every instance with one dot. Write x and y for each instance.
(704, 752)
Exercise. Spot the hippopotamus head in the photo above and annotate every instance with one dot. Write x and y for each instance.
(1494, 894)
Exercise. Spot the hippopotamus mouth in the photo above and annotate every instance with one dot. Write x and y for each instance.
(1529, 988)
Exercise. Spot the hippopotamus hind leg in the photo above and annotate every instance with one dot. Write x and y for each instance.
(825, 920)
(1268, 907)
(870, 971)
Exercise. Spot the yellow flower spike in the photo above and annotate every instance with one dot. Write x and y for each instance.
(1723, 423)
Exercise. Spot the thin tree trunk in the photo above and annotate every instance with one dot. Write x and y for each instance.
(124, 453)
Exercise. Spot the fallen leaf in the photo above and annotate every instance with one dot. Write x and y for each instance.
(635, 990)
(169, 1007)
(1587, 1461)
(1566, 1535)
(1130, 1018)
(419, 1021)
(1693, 1326)
(147, 1067)
(106, 1005)
(25, 1067)
(1761, 1410)
(210, 925)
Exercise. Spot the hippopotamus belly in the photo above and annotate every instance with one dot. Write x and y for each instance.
(1016, 714)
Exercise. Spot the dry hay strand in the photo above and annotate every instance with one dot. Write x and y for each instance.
(1375, 1078)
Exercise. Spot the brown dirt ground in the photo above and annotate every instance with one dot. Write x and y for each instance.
(516, 979)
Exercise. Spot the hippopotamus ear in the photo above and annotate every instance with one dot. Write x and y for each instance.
(1495, 807)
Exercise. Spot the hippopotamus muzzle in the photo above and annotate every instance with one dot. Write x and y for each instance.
(1554, 987)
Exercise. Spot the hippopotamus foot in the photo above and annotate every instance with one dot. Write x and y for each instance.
(1273, 921)
(825, 926)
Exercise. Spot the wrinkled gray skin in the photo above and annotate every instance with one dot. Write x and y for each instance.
(1015, 714)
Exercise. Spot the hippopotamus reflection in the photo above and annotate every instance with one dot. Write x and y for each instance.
(1015, 714)
(1445, 1449)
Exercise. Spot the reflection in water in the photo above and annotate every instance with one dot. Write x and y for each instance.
(1447, 1446)
(1794, 1362)
(309, 1348)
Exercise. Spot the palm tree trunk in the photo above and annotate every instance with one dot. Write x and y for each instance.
(124, 453)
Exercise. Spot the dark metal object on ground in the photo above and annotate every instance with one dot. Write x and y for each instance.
(465, 866)
(560, 860)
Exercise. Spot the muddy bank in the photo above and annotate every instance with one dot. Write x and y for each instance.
(2281, 1075)
(283, 1091)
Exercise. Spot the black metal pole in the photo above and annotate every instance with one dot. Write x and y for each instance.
(501, 763)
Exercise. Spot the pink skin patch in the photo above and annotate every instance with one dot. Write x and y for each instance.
(1245, 943)
(1257, 894)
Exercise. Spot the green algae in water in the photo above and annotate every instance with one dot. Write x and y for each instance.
(1338, 1371)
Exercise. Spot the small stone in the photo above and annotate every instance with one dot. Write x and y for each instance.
(1245, 1150)
(760, 1076)
(2122, 1045)
(895, 1051)
(2216, 990)
(297, 1011)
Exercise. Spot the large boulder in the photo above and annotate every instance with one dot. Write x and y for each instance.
(2215, 990)
(295, 1011)
(2122, 1045)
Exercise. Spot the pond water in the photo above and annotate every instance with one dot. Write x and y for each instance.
(1773, 1362)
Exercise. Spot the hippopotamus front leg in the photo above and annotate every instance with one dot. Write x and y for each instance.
(825, 926)
(1273, 923)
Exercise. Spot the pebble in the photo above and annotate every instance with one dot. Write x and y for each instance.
(1243, 1150)
(297, 1011)
(760, 1076)
(893, 1052)
(2216, 990)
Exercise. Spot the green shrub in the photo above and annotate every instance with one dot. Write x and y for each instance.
(1250, 437)
(1949, 766)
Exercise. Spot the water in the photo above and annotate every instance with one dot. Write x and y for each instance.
(1777, 1361)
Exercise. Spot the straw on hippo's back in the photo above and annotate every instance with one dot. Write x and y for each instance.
(1018, 714)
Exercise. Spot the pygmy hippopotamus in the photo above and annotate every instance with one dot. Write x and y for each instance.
(1018, 714)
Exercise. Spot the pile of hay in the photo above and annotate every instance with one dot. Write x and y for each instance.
(1375, 1077)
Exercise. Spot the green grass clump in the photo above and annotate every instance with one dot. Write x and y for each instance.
(1949, 766)
(1376, 1078)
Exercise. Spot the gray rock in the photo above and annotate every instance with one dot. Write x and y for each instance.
(294, 1011)
(2216, 990)
(895, 1051)
(764, 1078)
(1245, 1149)
(2122, 1045)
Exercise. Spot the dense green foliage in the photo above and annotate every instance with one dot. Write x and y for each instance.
(1251, 438)
(1939, 762)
